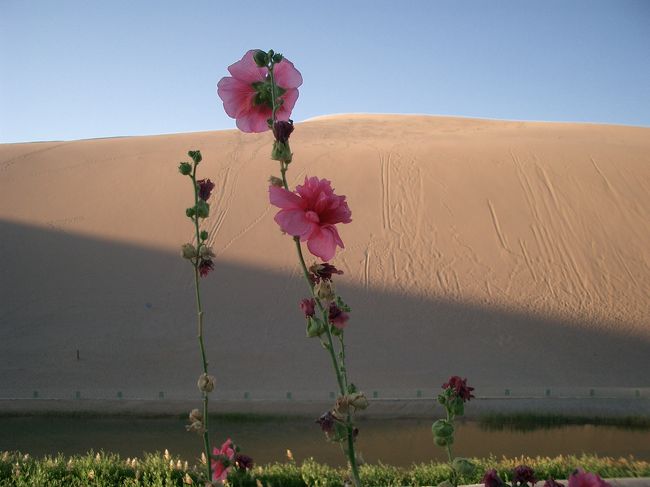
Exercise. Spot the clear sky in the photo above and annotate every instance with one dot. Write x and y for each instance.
(91, 68)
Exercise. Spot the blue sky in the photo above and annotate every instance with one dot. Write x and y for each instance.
(83, 69)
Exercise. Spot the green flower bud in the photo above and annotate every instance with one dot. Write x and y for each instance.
(463, 466)
(202, 209)
(185, 168)
(188, 251)
(442, 428)
(261, 58)
(195, 155)
(281, 152)
(204, 235)
(190, 212)
(314, 327)
(277, 58)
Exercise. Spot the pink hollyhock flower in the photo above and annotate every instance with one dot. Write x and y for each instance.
(220, 468)
(580, 478)
(311, 213)
(247, 97)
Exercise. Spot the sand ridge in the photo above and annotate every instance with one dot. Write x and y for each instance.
(514, 253)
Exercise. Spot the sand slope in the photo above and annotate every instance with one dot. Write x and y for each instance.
(514, 253)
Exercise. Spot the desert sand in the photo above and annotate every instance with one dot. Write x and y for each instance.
(516, 254)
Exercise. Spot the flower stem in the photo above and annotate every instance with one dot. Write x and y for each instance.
(199, 314)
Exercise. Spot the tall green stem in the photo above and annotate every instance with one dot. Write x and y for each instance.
(339, 368)
(199, 315)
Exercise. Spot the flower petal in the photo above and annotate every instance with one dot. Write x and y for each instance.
(246, 69)
(237, 96)
(284, 199)
(322, 243)
(294, 222)
(289, 100)
(254, 121)
(286, 75)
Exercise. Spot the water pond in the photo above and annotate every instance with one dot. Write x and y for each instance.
(395, 441)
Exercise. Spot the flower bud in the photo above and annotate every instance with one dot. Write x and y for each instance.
(281, 152)
(185, 168)
(202, 209)
(205, 383)
(190, 212)
(282, 130)
(188, 251)
(324, 290)
(307, 306)
(204, 235)
(314, 327)
(277, 58)
(442, 429)
(195, 155)
(261, 58)
(275, 181)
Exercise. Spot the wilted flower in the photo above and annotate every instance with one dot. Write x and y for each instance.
(322, 271)
(282, 130)
(311, 213)
(243, 462)
(326, 422)
(196, 427)
(324, 290)
(221, 461)
(188, 251)
(205, 266)
(358, 400)
(338, 317)
(205, 383)
(580, 478)
(307, 307)
(195, 415)
(205, 187)
(492, 479)
(522, 475)
(247, 95)
(459, 388)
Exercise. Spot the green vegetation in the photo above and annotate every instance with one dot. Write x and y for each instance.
(164, 470)
(532, 421)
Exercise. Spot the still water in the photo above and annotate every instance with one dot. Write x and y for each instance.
(398, 442)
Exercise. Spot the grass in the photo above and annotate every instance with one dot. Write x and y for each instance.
(164, 470)
(532, 421)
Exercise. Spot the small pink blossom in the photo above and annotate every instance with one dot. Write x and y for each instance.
(307, 306)
(311, 213)
(338, 317)
(220, 468)
(246, 94)
(580, 478)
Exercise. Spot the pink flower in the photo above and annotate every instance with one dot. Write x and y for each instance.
(247, 94)
(222, 464)
(311, 213)
(338, 317)
(307, 307)
(580, 478)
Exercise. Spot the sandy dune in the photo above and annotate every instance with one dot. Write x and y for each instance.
(514, 253)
